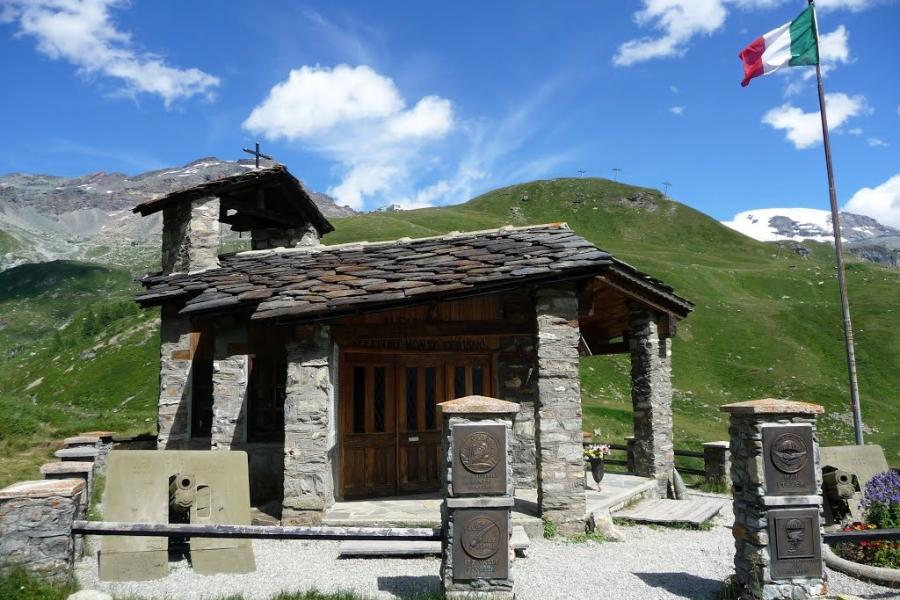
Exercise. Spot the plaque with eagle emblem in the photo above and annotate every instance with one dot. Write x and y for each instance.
(789, 461)
(479, 459)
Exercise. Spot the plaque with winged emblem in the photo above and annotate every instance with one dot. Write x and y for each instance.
(788, 453)
(479, 459)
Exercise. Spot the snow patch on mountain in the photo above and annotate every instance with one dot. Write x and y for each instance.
(778, 224)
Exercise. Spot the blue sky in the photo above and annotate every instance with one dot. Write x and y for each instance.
(419, 103)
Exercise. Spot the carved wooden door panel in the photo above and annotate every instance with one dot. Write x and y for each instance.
(368, 426)
(391, 439)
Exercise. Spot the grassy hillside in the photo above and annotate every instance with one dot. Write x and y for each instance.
(767, 323)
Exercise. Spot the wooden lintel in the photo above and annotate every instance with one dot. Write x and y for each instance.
(630, 293)
(431, 329)
(264, 215)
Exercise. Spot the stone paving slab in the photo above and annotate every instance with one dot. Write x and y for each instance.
(77, 453)
(43, 488)
(694, 512)
(81, 440)
(616, 490)
(67, 467)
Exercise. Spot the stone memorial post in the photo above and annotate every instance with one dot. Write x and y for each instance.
(478, 498)
(777, 499)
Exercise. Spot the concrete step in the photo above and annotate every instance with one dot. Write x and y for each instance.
(692, 512)
(376, 548)
(79, 453)
(81, 440)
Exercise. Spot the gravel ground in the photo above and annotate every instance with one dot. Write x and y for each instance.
(653, 564)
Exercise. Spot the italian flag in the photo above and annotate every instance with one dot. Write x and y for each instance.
(793, 44)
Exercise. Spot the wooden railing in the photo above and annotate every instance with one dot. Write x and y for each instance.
(682, 467)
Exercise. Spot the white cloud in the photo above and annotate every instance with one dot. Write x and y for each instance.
(882, 203)
(678, 20)
(855, 131)
(674, 89)
(876, 142)
(358, 118)
(804, 129)
(83, 33)
(677, 110)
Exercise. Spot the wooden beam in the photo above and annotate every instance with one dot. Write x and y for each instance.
(432, 329)
(215, 530)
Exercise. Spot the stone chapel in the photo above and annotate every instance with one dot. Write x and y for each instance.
(326, 363)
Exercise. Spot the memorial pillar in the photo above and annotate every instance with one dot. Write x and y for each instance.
(477, 485)
(777, 499)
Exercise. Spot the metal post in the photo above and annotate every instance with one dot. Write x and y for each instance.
(839, 251)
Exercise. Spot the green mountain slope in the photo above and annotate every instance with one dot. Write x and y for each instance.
(767, 323)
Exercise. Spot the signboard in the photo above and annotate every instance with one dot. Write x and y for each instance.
(479, 459)
(789, 462)
(480, 544)
(795, 544)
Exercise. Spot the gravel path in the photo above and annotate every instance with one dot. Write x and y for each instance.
(653, 564)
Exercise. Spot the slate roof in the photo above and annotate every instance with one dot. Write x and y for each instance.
(327, 281)
(245, 182)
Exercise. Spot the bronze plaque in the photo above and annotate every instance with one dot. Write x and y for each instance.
(788, 456)
(480, 544)
(795, 543)
(479, 459)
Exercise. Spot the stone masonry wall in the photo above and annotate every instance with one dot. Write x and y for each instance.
(561, 492)
(174, 416)
(36, 526)
(262, 239)
(517, 382)
(651, 397)
(308, 485)
(230, 379)
(190, 238)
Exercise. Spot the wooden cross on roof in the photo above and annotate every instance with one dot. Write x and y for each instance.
(256, 153)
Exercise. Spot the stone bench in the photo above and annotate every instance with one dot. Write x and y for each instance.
(36, 525)
(79, 453)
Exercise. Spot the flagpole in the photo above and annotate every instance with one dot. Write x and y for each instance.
(839, 250)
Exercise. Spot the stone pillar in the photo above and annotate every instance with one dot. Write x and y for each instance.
(717, 464)
(629, 453)
(477, 486)
(651, 398)
(174, 417)
(560, 468)
(190, 238)
(36, 526)
(517, 383)
(308, 485)
(262, 239)
(231, 371)
(777, 484)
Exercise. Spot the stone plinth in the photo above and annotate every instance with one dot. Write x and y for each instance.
(36, 526)
(717, 464)
(560, 468)
(777, 488)
(78, 453)
(308, 485)
(81, 440)
(71, 469)
(477, 486)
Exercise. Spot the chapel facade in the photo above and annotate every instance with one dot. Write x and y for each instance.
(326, 363)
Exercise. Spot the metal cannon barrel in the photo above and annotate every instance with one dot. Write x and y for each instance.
(182, 492)
(838, 485)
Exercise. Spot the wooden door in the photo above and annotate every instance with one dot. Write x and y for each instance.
(391, 438)
(368, 426)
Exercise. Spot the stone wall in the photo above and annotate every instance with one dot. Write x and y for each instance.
(651, 397)
(308, 483)
(174, 417)
(190, 238)
(230, 379)
(517, 382)
(36, 526)
(560, 470)
(262, 239)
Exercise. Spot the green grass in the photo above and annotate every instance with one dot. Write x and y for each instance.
(767, 323)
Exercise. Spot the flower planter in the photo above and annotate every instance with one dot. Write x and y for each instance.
(597, 469)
